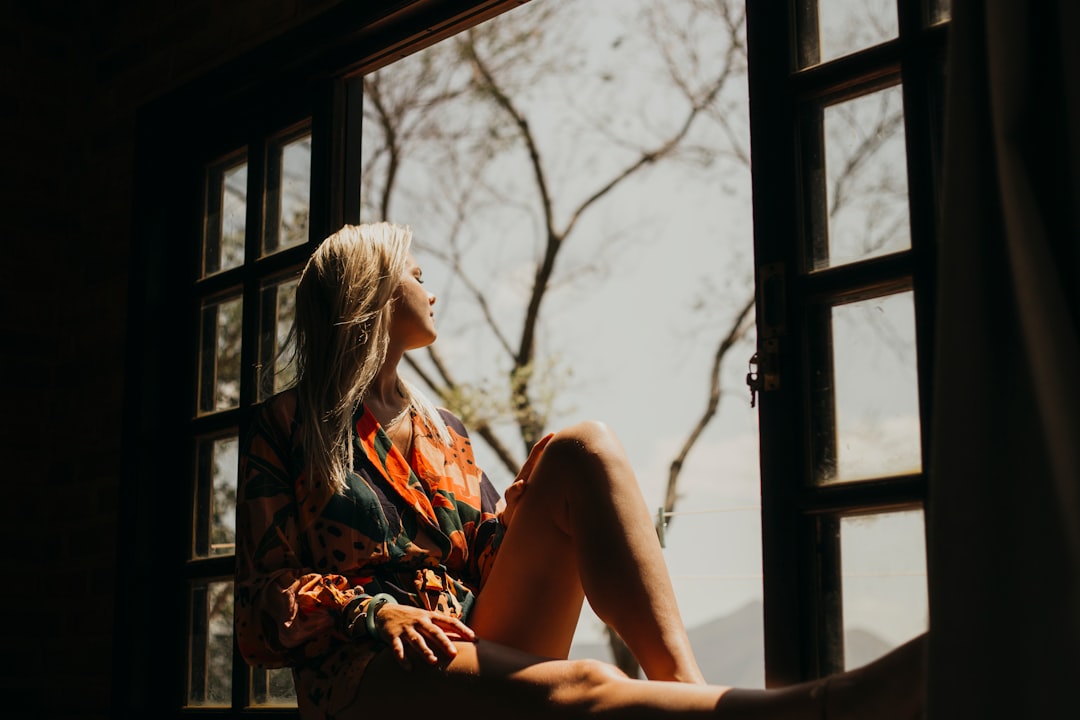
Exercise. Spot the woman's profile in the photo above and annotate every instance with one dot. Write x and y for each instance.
(377, 561)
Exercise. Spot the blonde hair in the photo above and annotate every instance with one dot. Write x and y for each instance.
(344, 303)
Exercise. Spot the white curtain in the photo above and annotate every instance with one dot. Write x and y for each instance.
(1003, 516)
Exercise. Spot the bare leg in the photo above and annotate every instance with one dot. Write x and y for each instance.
(490, 680)
(582, 527)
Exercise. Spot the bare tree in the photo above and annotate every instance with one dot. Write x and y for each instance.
(496, 54)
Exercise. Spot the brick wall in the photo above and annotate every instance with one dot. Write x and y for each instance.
(74, 75)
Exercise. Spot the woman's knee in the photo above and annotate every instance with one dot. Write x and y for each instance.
(589, 440)
(585, 461)
(582, 466)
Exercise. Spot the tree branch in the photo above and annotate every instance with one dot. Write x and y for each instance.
(735, 333)
(528, 420)
(504, 102)
(881, 133)
(372, 93)
(698, 105)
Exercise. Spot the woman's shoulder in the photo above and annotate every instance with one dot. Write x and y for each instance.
(284, 401)
(278, 411)
(453, 422)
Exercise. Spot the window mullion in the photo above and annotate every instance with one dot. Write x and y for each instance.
(770, 44)
(923, 72)
(256, 223)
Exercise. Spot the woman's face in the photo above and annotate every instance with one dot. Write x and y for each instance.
(413, 322)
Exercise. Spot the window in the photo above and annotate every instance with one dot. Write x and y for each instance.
(845, 129)
(252, 251)
(844, 137)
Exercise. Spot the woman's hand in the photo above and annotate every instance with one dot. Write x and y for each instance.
(508, 504)
(411, 630)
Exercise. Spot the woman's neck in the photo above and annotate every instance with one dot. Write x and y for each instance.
(388, 402)
(385, 389)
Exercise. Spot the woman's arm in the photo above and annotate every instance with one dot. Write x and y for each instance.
(284, 611)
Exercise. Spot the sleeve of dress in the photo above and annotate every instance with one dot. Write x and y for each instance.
(489, 532)
(283, 611)
(485, 531)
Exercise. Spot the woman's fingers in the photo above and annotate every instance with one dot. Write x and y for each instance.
(508, 503)
(513, 492)
(460, 629)
(399, 652)
(504, 508)
(534, 456)
(415, 631)
(420, 646)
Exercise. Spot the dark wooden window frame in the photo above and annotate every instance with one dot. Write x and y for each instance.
(800, 520)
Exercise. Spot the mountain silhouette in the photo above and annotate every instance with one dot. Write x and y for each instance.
(731, 649)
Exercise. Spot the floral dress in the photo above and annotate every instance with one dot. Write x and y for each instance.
(421, 528)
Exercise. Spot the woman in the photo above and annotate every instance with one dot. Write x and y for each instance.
(377, 561)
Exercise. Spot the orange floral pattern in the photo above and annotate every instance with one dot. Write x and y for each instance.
(422, 528)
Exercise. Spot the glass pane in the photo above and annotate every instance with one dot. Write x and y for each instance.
(288, 194)
(872, 392)
(847, 26)
(278, 345)
(219, 355)
(720, 592)
(226, 217)
(273, 687)
(215, 505)
(866, 180)
(883, 570)
(210, 644)
(598, 87)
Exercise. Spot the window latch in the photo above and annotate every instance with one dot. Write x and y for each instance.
(763, 369)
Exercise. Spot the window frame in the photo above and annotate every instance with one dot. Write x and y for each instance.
(800, 520)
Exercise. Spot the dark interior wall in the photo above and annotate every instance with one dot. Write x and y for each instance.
(74, 75)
